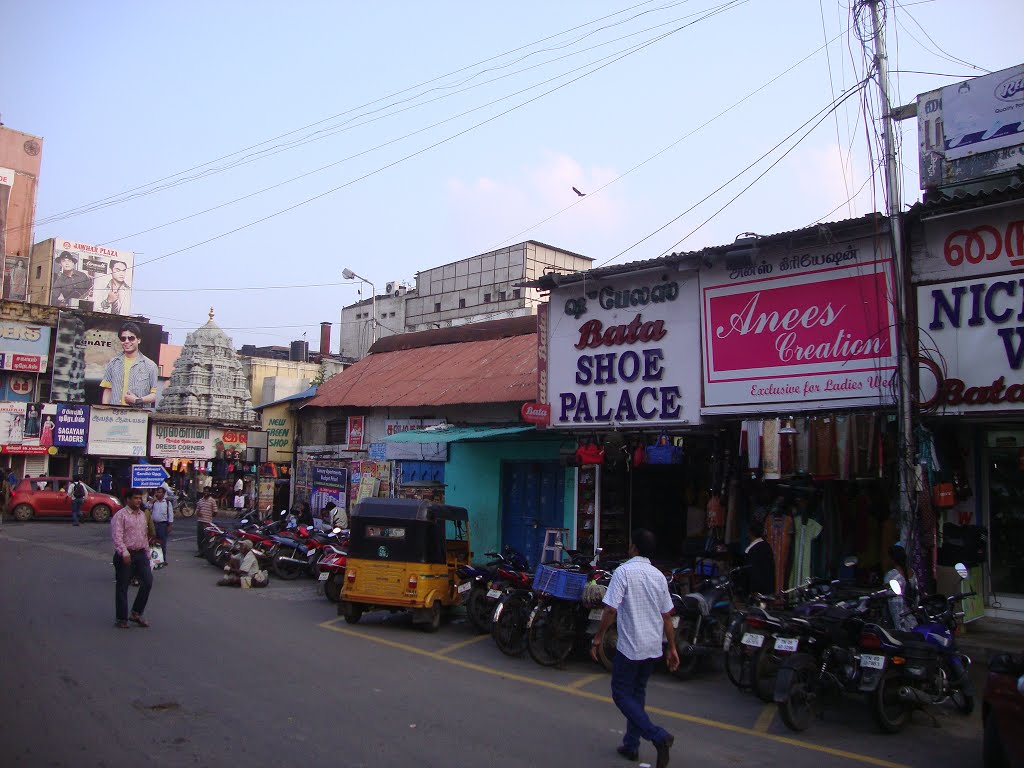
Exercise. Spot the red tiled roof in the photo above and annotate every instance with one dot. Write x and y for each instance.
(500, 370)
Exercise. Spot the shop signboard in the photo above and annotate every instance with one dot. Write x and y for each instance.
(230, 443)
(813, 328)
(984, 113)
(87, 350)
(18, 386)
(24, 347)
(412, 451)
(72, 426)
(117, 431)
(329, 484)
(181, 441)
(988, 241)
(625, 351)
(27, 427)
(93, 273)
(279, 424)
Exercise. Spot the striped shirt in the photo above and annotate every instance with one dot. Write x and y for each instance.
(142, 376)
(129, 530)
(639, 593)
(205, 510)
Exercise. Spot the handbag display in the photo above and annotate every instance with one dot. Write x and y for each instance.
(590, 453)
(663, 452)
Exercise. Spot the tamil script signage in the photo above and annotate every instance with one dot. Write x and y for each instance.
(813, 328)
(117, 431)
(625, 352)
(72, 426)
(24, 347)
(985, 242)
(182, 441)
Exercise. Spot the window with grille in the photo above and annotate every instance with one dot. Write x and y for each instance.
(337, 431)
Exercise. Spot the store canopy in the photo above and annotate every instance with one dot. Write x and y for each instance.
(446, 434)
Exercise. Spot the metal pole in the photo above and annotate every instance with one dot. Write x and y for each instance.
(905, 451)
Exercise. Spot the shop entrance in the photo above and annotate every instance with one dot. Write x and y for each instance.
(1006, 521)
(532, 499)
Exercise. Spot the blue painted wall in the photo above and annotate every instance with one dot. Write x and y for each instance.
(473, 475)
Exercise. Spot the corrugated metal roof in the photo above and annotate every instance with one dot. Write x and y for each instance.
(489, 329)
(447, 433)
(303, 395)
(499, 370)
(961, 199)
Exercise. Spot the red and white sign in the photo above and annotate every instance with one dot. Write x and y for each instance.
(355, 433)
(814, 328)
(974, 243)
(536, 413)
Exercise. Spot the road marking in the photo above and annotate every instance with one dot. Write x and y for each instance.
(587, 680)
(463, 644)
(331, 625)
(764, 720)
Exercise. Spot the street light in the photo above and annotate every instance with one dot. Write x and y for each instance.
(348, 274)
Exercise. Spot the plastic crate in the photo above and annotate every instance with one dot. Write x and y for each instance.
(567, 585)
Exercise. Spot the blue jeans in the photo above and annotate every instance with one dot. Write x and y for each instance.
(629, 692)
(76, 509)
(161, 535)
(139, 568)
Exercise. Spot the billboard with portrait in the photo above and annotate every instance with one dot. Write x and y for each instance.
(89, 352)
(15, 286)
(92, 273)
(27, 428)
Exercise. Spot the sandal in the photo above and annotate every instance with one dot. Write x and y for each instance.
(136, 619)
(122, 624)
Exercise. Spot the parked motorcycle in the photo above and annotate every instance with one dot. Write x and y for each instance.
(703, 620)
(332, 571)
(560, 621)
(482, 588)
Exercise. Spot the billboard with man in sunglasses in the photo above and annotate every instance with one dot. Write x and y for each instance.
(105, 360)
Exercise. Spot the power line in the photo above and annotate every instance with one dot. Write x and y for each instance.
(635, 49)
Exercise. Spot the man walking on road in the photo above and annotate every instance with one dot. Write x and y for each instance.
(206, 510)
(129, 529)
(162, 512)
(639, 600)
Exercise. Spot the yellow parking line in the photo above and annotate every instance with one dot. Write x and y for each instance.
(866, 759)
(463, 644)
(583, 681)
(764, 720)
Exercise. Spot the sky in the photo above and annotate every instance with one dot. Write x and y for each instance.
(249, 152)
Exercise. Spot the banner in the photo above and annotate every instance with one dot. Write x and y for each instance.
(91, 273)
(28, 426)
(88, 349)
(329, 484)
(15, 274)
(72, 426)
(6, 184)
(807, 329)
(182, 441)
(24, 347)
(117, 432)
(230, 443)
(984, 114)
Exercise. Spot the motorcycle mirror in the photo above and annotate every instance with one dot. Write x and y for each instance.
(851, 561)
(895, 586)
(336, 531)
(961, 570)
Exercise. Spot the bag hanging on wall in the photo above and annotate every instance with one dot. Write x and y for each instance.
(663, 452)
(638, 455)
(716, 512)
(590, 453)
(943, 495)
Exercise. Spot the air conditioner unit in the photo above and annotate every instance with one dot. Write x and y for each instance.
(391, 287)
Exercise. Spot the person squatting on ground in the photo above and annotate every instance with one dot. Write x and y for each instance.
(162, 512)
(639, 601)
(206, 510)
(244, 570)
(129, 529)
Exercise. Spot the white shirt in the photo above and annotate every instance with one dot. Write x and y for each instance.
(639, 593)
(238, 485)
(162, 511)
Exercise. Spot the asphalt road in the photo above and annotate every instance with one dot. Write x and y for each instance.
(273, 677)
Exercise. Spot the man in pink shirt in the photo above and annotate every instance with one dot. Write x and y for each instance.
(130, 531)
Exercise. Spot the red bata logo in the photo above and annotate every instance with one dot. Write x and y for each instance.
(985, 243)
(536, 413)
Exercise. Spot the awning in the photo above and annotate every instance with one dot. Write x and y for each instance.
(452, 434)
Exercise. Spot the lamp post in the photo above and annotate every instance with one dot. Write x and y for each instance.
(348, 274)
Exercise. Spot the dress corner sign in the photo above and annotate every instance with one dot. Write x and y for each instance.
(536, 413)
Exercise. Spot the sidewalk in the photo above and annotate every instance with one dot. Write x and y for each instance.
(987, 636)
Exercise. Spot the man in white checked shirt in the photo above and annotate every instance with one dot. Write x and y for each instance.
(639, 601)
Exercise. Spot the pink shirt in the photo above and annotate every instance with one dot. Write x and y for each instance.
(129, 530)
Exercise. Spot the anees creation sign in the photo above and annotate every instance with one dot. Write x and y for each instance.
(624, 351)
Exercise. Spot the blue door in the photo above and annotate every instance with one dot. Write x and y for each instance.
(532, 499)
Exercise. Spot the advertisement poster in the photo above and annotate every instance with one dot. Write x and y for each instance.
(230, 443)
(92, 273)
(72, 426)
(88, 348)
(815, 328)
(984, 114)
(15, 275)
(328, 484)
(117, 432)
(27, 427)
(18, 386)
(24, 347)
(182, 441)
(625, 352)
(355, 433)
(375, 475)
(6, 184)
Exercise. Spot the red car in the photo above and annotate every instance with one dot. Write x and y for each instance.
(1002, 712)
(49, 497)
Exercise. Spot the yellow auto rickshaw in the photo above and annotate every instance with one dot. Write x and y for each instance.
(403, 554)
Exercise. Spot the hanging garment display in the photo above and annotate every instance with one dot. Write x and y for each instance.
(770, 449)
(802, 442)
(778, 532)
(843, 446)
(750, 442)
(806, 530)
(824, 441)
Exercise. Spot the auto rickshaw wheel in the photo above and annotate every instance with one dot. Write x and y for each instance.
(352, 612)
(433, 622)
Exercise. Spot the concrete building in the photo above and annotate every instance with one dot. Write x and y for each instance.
(20, 162)
(477, 289)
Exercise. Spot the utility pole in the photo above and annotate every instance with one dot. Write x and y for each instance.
(905, 451)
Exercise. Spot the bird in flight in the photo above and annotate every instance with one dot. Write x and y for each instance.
(581, 194)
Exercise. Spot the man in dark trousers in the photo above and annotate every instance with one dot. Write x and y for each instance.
(638, 600)
(760, 562)
(129, 529)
